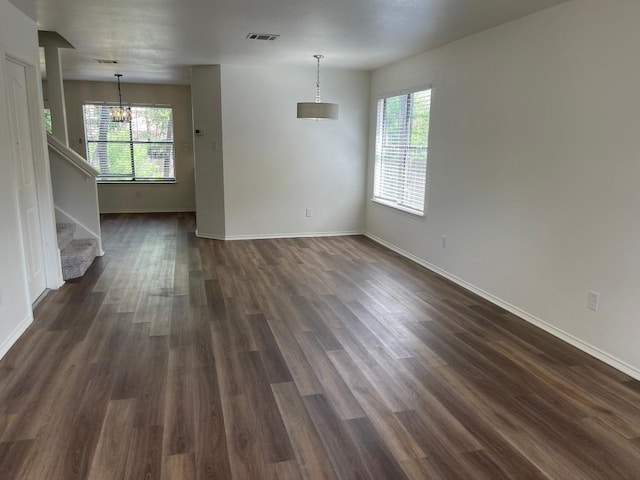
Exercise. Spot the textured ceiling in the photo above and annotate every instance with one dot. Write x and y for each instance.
(157, 40)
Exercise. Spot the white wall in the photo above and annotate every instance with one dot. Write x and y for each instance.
(207, 118)
(75, 195)
(276, 166)
(174, 197)
(28, 7)
(18, 38)
(535, 168)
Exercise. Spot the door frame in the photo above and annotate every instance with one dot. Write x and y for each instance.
(52, 262)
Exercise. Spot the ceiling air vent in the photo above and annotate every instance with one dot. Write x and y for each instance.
(262, 36)
(102, 60)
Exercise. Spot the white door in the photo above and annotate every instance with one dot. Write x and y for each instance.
(25, 178)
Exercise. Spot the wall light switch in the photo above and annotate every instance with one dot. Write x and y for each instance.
(309, 212)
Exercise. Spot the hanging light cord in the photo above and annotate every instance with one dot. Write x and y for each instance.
(119, 91)
(318, 57)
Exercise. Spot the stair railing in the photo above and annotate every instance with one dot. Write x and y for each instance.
(72, 157)
(75, 191)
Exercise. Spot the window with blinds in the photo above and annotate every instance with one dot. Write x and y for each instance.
(402, 141)
(140, 150)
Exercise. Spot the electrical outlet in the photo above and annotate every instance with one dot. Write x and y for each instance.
(309, 212)
(444, 241)
(593, 298)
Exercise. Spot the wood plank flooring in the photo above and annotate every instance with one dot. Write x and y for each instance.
(317, 358)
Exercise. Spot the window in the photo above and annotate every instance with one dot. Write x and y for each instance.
(402, 135)
(47, 120)
(140, 150)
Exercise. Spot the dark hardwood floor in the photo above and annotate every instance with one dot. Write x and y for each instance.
(183, 358)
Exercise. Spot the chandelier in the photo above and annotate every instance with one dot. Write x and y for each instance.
(120, 114)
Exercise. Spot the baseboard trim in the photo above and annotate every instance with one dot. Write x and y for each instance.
(151, 210)
(15, 335)
(209, 236)
(267, 236)
(278, 235)
(547, 327)
(35, 304)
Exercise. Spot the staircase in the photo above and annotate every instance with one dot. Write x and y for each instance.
(76, 255)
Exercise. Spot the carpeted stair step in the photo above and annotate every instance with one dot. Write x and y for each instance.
(77, 257)
(65, 232)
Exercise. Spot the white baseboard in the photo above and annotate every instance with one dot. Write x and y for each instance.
(151, 210)
(267, 236)
(209, 236)
(17, 332)
(547, 327)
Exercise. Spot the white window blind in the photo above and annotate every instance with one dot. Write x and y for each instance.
(402, 135)
(140, 150)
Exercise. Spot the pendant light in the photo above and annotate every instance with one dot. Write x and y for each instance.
(318, 110)
(120, 114)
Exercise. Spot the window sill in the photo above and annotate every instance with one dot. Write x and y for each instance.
(403, 210)
(136, 182)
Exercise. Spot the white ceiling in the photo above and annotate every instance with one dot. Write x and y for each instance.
(157, 40)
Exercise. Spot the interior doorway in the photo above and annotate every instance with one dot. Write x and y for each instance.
(25, 178)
